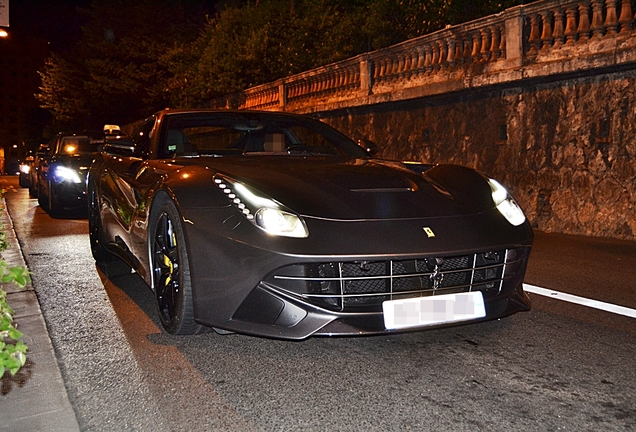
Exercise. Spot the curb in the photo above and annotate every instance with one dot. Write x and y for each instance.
(35, 399)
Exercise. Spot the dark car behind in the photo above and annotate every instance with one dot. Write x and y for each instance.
(61, 177)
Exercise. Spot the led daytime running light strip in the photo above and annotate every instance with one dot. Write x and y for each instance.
(226, 188)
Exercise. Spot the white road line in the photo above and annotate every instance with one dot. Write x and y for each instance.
(621, 310)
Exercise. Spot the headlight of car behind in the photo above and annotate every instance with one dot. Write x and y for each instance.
(506, 204)
(265, 213)
(62, 173)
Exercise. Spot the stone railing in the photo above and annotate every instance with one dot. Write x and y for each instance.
(544, 38)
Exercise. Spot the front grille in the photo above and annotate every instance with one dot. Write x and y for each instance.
(363, 285)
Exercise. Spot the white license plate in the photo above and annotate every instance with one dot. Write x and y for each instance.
(439, 309)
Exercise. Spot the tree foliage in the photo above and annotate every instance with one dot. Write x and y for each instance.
(136, 57)
(118, 70)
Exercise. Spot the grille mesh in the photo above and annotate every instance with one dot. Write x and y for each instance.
(364, 285)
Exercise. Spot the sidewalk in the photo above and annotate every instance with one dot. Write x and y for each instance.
(35, 399)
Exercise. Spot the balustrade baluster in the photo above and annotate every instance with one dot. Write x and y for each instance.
(331, 80)
(484, 52)
(323, 80)
(476, 47)
(625, 20)
(583, 29)
(381, 69)
(495, 51)
(468, 48)
(598, 27)
(305, 87)
(435, 58)
(347, 77)
(570, 26)
(401, 65)
(502, 41)
(376, 69)
(450, 58)
(428, 59)
(443, 54)
(611, 21)
(410, 62)
(533, 38)
(459, 50)
(546, 34)
(557, 34)
(395, 65)
(421, 59)
(350, 74)
(341, 76)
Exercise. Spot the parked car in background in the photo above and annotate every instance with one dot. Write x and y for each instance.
(26, 165)
(41, 152)
(61, 177)
(278, 225)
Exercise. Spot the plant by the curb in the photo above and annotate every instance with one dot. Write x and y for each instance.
(12, 349)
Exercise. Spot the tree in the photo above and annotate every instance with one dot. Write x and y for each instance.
(251, 43)
(118, 71)
(137, 57)
(60, 93)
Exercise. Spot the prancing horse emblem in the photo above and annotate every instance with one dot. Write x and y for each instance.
(437, 277)
(429, 232)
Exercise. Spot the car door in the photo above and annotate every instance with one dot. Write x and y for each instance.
(125, 181)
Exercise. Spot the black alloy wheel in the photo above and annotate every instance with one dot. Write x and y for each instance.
(54, 206)
(43, 200)
(170, 269)
(33, 191)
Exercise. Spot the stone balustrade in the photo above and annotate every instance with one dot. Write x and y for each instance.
(529, 41)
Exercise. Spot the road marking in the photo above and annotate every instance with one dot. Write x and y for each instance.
(621, 310)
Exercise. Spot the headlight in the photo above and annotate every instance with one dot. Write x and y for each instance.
(265, 213)
(506, 205)
(24, 169)
(62, 173)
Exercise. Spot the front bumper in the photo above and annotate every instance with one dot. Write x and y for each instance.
(70, 195)
(294, 292)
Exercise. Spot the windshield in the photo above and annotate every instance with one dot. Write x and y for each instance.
(71, 145)
(216, 134)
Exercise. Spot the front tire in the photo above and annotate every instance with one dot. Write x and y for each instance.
(170, 269)
(43, 200)
(23, 180)
(55, 207)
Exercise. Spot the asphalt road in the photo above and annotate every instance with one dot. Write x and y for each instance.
(558, 367)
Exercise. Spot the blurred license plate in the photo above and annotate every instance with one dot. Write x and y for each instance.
(439, 309)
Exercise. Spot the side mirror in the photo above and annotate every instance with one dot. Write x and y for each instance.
(369, 146)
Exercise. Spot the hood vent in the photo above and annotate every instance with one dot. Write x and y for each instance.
(384, 190)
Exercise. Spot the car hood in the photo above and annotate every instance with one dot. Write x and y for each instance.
(360, 189)
(83, 160)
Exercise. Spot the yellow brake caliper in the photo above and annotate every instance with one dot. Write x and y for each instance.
(167, 261)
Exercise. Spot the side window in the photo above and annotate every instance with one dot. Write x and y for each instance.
(53, 145)
(141, 136)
